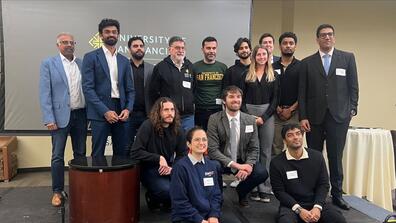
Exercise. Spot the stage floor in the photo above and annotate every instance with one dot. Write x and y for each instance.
(22, 202)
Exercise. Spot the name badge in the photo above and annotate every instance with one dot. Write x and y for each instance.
(219, 101)
(208, 181)
(186, 84)
(278, 71)
(340, 72)
(249, 129)
(292, 175)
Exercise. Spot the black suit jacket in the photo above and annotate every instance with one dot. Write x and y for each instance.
(338, 91)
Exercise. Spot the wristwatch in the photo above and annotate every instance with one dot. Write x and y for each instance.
(298, 210)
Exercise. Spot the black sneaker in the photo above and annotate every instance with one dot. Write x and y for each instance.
(243, 202)
(264, 197)
(150, 203)
(254, 196)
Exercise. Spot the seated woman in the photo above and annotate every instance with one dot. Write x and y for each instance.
(195, 192)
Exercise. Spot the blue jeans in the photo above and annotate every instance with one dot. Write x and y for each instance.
(187, 122)
(157, 186)
(77, 128)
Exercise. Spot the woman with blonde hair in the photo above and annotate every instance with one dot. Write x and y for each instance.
(260, 99)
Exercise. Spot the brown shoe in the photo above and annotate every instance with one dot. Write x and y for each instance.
(56, 199)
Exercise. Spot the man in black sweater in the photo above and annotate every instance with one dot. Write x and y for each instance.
(300, 182)
(159, 143)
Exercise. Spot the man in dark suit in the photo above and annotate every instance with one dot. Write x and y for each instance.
(233, 141)
(328, 98)
(63, 108)
(141, 75)
(108, 89)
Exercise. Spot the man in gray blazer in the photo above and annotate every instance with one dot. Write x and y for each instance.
(63, 108)
(141, 74)
(233, 141)
(328, 98)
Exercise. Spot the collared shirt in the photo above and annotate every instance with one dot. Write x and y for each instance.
(288, 81)
(138, 80)
(112, 64)
(177, 65)
(290, 157)
(238, 129)
(73, 75)
(329, 53)
(195, 161)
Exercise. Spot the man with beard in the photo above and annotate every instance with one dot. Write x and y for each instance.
(287, 69)
(159, 143)
(233, 75)
(108, 89)
(328, 97)
(63, 108)
(267, 41)
(141, 74)
(172, 77)
(300, 182)
(233, 141)
(208, 75)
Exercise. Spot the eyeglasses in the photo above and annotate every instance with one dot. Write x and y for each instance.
(66, 42)
(323, 35)
(200, 139)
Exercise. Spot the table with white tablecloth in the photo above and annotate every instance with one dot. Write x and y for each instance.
(369, 166)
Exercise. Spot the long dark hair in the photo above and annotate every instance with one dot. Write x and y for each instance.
(156, 120)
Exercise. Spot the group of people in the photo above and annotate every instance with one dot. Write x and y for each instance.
(188, 124)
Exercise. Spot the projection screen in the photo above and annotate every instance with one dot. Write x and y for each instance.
(30, 29)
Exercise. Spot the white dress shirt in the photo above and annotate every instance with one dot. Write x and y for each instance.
(112, 64)
(238, 129)
(73, 76)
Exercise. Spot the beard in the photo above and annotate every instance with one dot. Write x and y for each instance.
(244, 56)
(138, 55)
(110, 41)
(287, 54)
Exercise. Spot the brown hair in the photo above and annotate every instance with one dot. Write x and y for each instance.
(156, 120)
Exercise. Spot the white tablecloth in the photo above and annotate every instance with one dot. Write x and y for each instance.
(369, 165)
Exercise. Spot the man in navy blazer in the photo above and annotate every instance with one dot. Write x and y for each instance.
(63, 108)
(108, 89)
(328, 98)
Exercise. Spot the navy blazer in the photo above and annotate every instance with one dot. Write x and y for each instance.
(96, 84)
(54, 92)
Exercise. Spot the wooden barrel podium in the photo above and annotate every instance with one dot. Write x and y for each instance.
(104, 189)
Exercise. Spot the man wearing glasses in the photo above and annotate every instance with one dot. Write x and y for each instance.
(328, 99)
(108, 88)
(63, 108)
(172, 77)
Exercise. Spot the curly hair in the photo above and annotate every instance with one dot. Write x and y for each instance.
(156, 119)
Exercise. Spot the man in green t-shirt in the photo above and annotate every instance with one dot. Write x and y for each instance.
(208, 75)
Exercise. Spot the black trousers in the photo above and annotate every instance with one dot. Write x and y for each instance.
(335, 134)
(329, 214)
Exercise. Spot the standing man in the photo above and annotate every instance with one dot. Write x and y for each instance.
(172, 77)
(108, 89)
(159, 143)
(233, 141)
(233, 75)
(300, 182)
(287, 69)
(267, 41)
(328, 98)
(208, 75)
(141, 74)
(63, 108)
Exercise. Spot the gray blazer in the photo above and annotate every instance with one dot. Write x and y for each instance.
(219, 138)
(148, 71)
